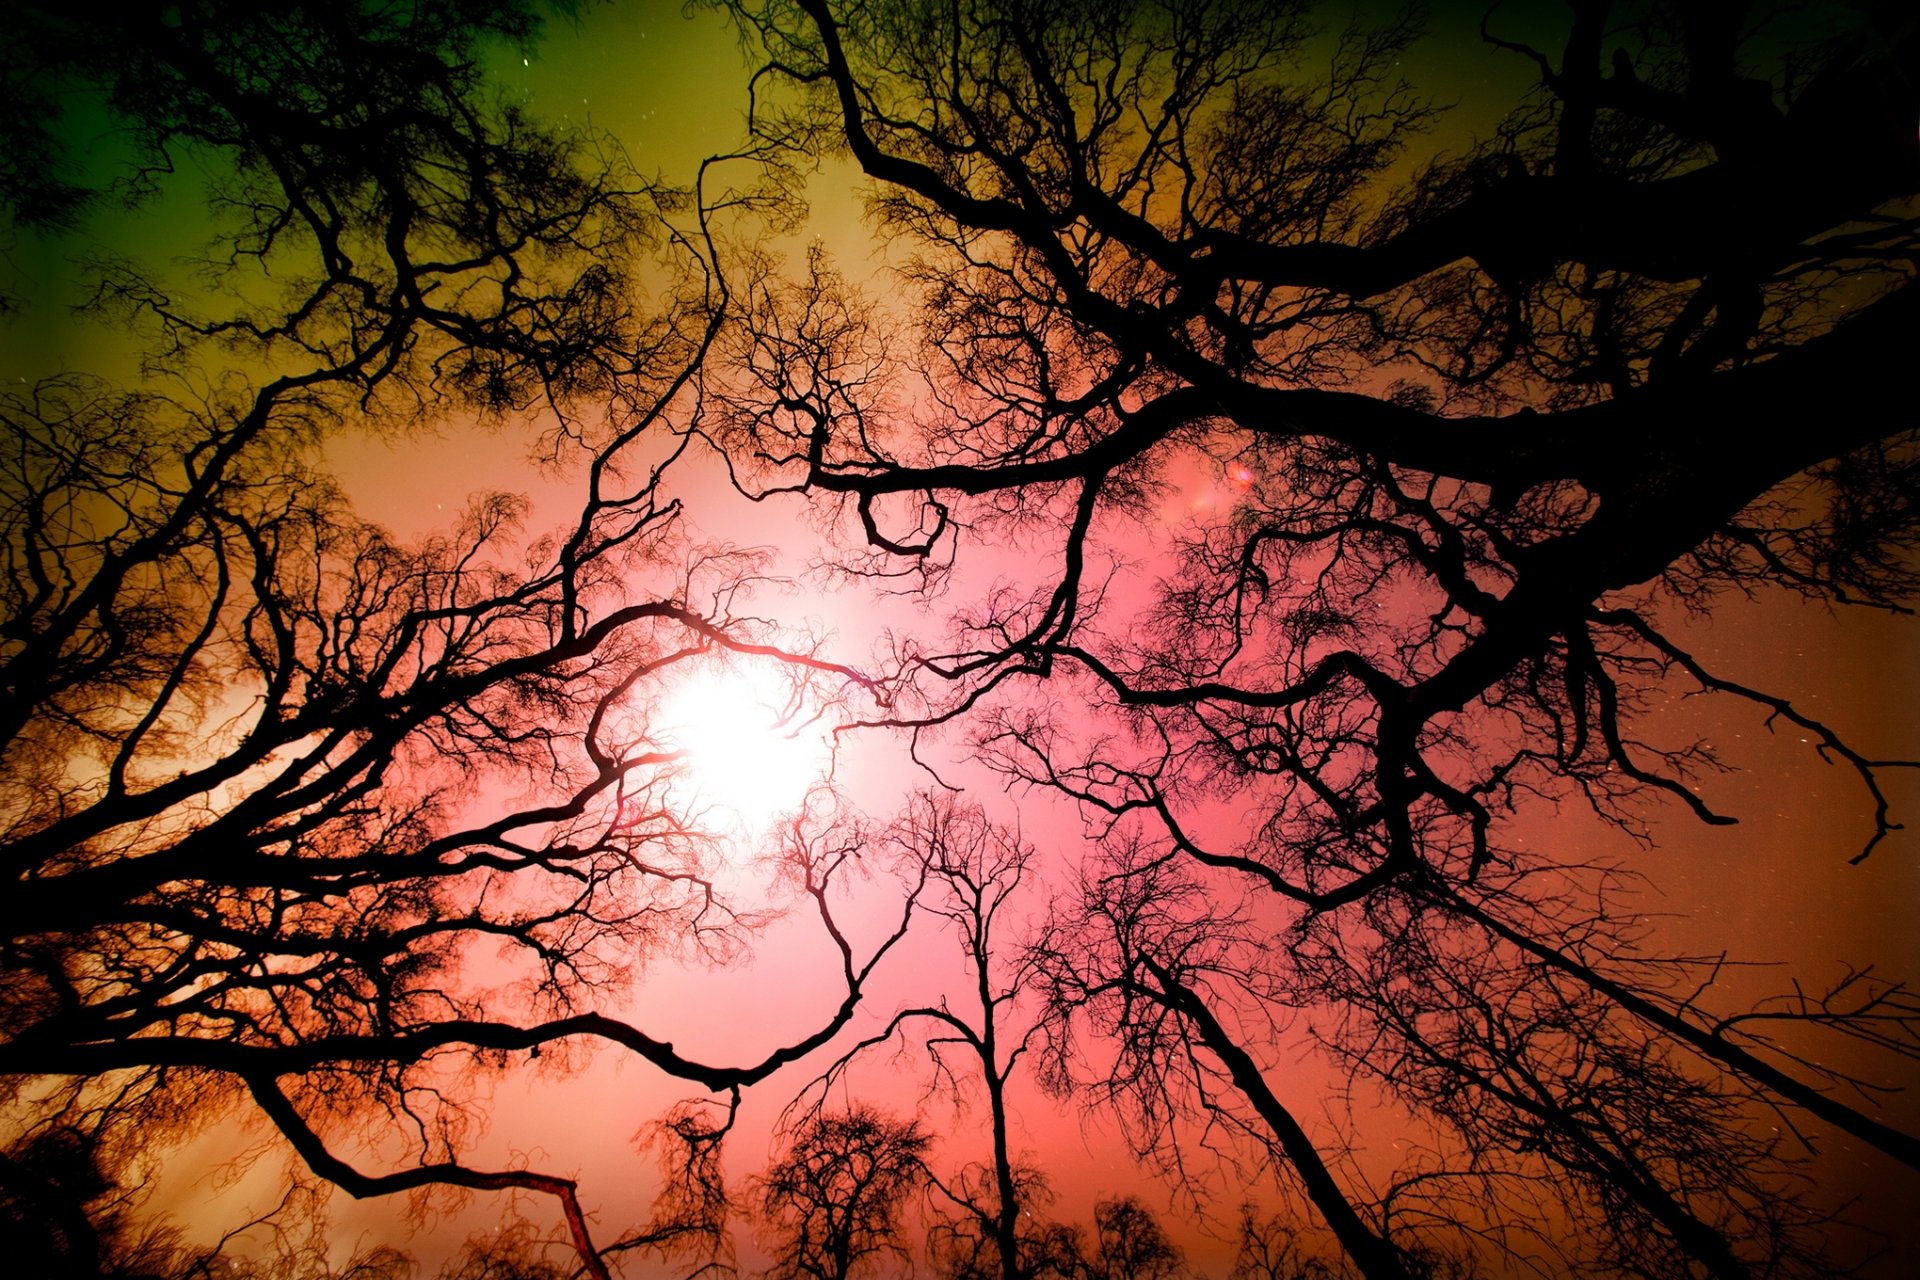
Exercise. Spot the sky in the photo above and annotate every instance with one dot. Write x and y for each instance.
(1776, 889)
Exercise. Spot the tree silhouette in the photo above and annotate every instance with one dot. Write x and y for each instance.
(1132, 1243)
(989, 1218)
(311, 821)
(1145, 960)
(270, 779)
(61, 1214)
(1488, 425)
(1268, 1250)
(836, 1196)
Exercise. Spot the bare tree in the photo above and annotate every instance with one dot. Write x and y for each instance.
(1485, 423)
(1132, 1243)
(972, 872)
(270, 777)
(836, 1196)
(1147, 962)
(1485, 426)
(1268, 1249)
(1535, 1069)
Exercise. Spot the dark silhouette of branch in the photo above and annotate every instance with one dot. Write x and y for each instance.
(1479, 429)
(270, 777)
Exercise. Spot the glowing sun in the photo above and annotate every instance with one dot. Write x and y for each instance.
(752, 745)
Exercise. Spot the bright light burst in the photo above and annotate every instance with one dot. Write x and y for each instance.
(753, 747)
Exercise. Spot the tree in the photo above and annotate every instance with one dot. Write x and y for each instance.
(1268, 1250)
(1484, 426)
(1146, 960)
(1132, 1243)
(272, 781)
(835, 1197)
(1489, 425)
(970, 871)
(1529, 1066)
(61, 1214)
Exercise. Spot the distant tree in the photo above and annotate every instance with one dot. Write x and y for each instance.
(1269, 1250)
(1127, 1241)
(62, 1214)
(971, 872)
(834, 1199)
(1131, 1245)
(511, 1254)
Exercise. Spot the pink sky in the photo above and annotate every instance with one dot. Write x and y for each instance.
(1775, 890)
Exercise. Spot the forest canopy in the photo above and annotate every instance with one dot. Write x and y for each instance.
(1192, 620)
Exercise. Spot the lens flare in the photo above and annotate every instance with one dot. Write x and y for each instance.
(752, 744)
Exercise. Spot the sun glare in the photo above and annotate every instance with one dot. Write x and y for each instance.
(752, 749)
